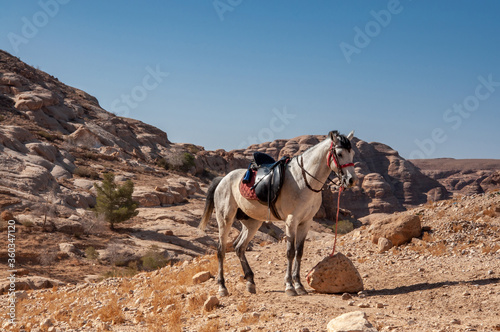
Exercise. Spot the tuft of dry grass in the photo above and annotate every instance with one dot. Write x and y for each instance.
(111, 312)
(211, 326)
(487, 249)
(195, 302)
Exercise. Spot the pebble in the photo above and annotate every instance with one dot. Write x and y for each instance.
(380, 305)
(455, 321)
(46, 324)
(364, 305)
(346, 296)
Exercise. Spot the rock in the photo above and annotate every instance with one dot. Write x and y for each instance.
(28, 283)
(455, 321)
(168, 232)
(346, 296)
(84, 184)
(21, 295)
(398, 228)
(211, 303)
(201, 277)
(69, 226)
(384, 244)
(44, 150)
(85, 138)
(146, 199)
(7, 215)
(70, 249)
(335, 274)
(46, 323)
(351, 322)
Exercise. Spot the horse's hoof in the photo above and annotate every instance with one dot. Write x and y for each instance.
(251, 288)
(291, 292)
(301, 290)
(223, 292)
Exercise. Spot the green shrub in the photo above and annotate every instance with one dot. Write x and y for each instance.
(91, 253)
(115, 202)
(163, 163)
(86, 172)
(48, 136)
(187, 162)
(153, 259)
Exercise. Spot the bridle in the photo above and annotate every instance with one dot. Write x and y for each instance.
(332, 155)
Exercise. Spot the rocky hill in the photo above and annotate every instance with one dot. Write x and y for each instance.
(56, 141)
(463, 176)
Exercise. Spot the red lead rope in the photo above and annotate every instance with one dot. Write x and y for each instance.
(336, 222)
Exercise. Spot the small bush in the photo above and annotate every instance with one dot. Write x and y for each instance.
(187, 161)
(344, 227)
(91, 253)
(153, 260)
(48, 136)
(163, 163)
(86, 172)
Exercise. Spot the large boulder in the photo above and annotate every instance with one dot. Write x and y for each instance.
(335, 274)
(27, 283)
(398, 228)
(351, 322)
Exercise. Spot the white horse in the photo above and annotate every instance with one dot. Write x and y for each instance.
(298, 202)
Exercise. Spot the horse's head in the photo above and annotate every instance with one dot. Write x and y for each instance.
(340, 158)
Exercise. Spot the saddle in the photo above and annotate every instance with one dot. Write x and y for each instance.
(264, 179)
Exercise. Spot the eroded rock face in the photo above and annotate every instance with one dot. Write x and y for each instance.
(462, 176)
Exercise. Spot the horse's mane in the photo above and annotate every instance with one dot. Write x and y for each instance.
(342, 139)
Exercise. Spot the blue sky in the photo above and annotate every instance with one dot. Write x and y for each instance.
(420, 76)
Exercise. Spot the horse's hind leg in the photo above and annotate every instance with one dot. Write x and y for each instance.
(225, 222)
(250, 227)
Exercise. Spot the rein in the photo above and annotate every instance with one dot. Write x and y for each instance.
(336, 223)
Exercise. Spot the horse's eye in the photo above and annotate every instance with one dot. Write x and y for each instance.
(340, 155)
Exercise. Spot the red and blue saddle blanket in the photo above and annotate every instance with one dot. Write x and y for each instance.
(246, 187)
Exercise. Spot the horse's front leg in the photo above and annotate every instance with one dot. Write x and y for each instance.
(300, 238)
(291, 231)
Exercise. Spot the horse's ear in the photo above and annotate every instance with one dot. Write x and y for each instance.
(351, 135)
(333, 136)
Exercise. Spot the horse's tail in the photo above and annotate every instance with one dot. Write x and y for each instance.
(209, 203)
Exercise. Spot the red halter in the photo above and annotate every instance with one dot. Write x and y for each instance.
(333, 155)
